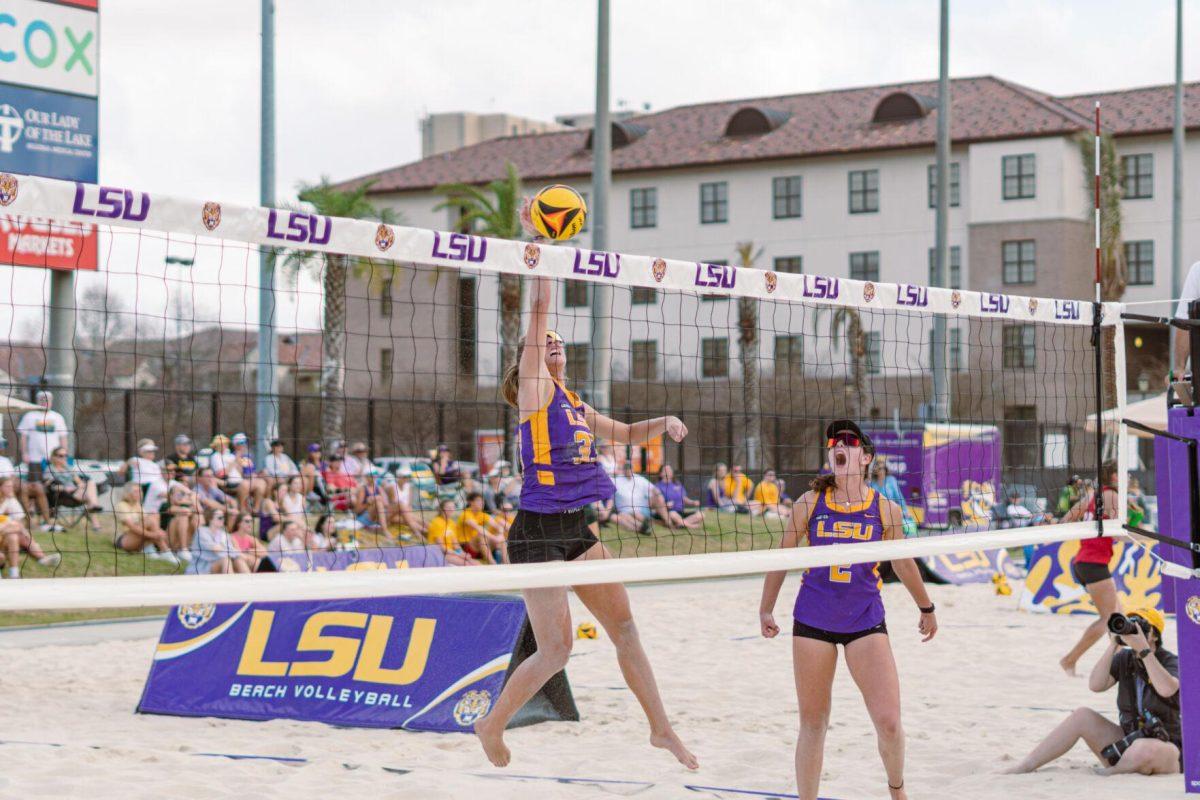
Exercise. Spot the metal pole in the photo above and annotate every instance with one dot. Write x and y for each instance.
(60, 347)
(1177, 179)
(941, 262)
(266, 408)
(601, 350)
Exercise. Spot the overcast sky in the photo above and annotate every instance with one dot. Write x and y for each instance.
(179, 81)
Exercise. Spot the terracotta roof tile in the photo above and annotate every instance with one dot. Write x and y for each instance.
(1140, 111)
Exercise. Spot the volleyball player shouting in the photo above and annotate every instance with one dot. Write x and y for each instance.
(842, 605)
(561, 478)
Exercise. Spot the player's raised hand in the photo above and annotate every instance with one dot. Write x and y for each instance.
(676, 429)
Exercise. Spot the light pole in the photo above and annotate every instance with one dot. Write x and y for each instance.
(266, 410)
(601, 345)
(186, 263)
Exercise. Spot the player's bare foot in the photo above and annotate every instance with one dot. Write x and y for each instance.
(493, 743)
(1067, 666)
(897, 794)
(670, 741)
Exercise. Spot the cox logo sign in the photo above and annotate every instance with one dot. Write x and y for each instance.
(48, 46)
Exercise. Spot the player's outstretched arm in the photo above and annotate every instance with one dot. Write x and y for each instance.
(635, 432)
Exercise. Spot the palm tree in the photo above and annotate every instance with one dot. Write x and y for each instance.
(494, 211)
(1113, 277)
(334, 269)
(748, 354)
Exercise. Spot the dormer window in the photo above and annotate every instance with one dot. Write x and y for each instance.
(902, 106)
(754, 121)
(623, 133)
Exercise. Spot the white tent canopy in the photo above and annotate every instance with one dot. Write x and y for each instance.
(1152, 412)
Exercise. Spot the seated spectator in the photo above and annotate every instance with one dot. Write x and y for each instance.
(633, 500)
(7, 468)
(138, 532)
(176, 507)
(607, 459)
(682, 511)
(225, 466)
(443, 531)
(326, 535)
(510, 484)
(343, 488)
(68, 487)
(213, 552)
(312, 470)
(209, 493)
(737, 488)
(1019, 516)
(399, 494)
(291, 538)
(245, 462)
(445, 469)
(492, 496)
(1135, 498)
(290, 500)
(1068, 498)
(143, 468)
(477, 534)
(370, 511)
(278, 466)
(884, 482)
(358, 461)
(769, 498)
(715, 495)
(184, 460)
(15, 536)
(242, 535)
(41, 430)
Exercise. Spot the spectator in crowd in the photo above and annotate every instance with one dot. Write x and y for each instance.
(371, 510)
(443, 531)
(634, 500)
(358, 461)
(278, 466)
(1137, 503)
(737, 489)
(14, 534)
(209, 493)
(1070, 494)
(510, 484)
(344, 494)
(291, 500)
(607, 459)
(1020, 516)
(67, 486)
(225, 466)
(7, 468)
(256, 490)
(715, 495)
(884, 482)
(175, 505)
(213, 551)
(682, 511)
(290, 539)
(325, 534)
(445, 469)
(312, 470)
(41, 431)
(183, 459)
(143, 468)
(242, 535)
(399, 494)
(477, 535)
(769, 498)
(138, 532)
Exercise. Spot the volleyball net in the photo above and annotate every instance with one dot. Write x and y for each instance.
(388, 346)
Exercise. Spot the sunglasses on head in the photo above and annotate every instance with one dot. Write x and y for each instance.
(552, 336)
(847, 438)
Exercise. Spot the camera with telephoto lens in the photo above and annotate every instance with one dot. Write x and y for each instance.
(1120, 625)
(1151, 728)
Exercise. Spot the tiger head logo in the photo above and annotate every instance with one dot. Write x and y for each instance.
(194, 615)
(1193, 609)
(659, 269)
(1033, 306)
(955, 298)
(210, 215)
(384, 238)
(8, 188)
(533, 255)
(472, 707)
(868, 292)
(772, 281)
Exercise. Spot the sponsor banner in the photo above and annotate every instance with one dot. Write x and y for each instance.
(1049, 586)
(974, 566)
(53, 46)
(30, 242)
(424, 663)
(422, 555)
(489, 448)
(116, 205)
(43, 133)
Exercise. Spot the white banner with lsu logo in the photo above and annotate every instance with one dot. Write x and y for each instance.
(68, 202)
(423, 663)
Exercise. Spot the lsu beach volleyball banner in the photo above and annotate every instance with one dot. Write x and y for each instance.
(421, 555)
(1049, 586)
(973, 566)
(424, 663)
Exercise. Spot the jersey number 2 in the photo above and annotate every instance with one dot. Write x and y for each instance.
(839, 574)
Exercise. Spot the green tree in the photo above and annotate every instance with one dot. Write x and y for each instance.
(1113, 275)
(748, 355)
(333, 270)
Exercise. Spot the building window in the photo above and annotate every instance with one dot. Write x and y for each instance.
(466, 325)
(643, 208)
(714, 202)
(785, 197)
(1020, 180)
(709, 298)
(714, 357)
(874, 342)
(644, 361)
(1019, 352)
(577, 362)
(643, 296)
(865, 266)
(789, 355)
(385, 298)
(1056, 447)
(954, 185)
(1021, 443)
(792, 264)
(955, 276)
(953, 350)
(1020, 261)
(1139, 262)
(1137, 176)
(385, 367)
(864, 191)
(575, 295)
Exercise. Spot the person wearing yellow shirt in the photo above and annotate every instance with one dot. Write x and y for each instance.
(443, 530)
(769, 497)
(477, 533)
(737, 489)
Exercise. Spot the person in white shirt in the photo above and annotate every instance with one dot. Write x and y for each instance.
(144, 469)
(606, 459)
(278, 466)
(41, 431)
(213, 552)
(14, 535)
(358, 462)
(7, 468)
(398, 493)
(292, 539)
(1191, 291)
(634, 499)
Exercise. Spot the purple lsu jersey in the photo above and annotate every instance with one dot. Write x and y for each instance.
(558, 458)
(842, 599)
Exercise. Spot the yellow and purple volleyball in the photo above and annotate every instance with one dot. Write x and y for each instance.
(586, 630)
(558, 212)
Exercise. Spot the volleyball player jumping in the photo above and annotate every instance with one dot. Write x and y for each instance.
(842, 605)
(561, 478)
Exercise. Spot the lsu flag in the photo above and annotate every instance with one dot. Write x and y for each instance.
(424, 663)
(1050, 587)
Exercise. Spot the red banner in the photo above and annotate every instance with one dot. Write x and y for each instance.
(31, 242)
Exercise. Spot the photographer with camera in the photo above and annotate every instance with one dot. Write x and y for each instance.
(1146, 674)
